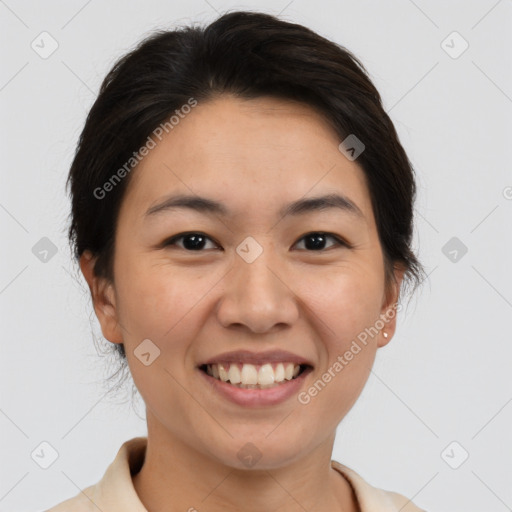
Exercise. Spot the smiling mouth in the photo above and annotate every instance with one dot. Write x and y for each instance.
(255, 376)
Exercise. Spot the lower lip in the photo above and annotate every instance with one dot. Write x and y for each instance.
(257, 397)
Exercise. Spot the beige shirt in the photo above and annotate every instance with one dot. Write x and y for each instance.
(115, 491)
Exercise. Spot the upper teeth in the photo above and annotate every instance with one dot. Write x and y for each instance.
(243, 373)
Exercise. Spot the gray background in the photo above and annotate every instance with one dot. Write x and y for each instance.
(444, 377)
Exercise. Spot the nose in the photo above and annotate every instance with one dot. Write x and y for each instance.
(258, 296)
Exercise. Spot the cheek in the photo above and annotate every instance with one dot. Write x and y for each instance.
(161, 306)
(154, 297)
(169, 306)
(346, 301)
(345, 308)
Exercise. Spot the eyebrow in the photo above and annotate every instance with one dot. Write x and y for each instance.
(299, 207)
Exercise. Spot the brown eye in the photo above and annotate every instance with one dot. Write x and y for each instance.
(197, 242)
(316, 241)
(190, 241)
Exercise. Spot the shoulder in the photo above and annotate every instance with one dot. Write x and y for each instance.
(402, 503)
(82, 502)
(372, 498)
(115, 491)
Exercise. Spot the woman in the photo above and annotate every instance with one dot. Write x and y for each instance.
(242, 212)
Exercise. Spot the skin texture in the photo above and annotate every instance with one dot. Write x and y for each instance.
(254, 156)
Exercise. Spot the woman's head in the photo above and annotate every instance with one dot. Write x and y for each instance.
(251, 114)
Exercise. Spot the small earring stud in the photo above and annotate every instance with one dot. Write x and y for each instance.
(385, 334)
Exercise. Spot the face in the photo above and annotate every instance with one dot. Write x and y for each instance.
(248, 275)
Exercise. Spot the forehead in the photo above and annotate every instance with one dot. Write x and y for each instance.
(250, 154)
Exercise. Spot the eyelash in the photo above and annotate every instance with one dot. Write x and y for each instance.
(339, 241)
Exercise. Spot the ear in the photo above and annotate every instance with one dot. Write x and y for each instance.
(103, 299)
(390, 307)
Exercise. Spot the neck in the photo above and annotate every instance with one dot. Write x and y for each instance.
(176, 476)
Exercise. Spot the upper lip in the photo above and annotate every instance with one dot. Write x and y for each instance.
(246, 356)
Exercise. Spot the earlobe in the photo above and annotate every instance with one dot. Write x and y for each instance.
(384, 337)
(390, 308)
(103, 299)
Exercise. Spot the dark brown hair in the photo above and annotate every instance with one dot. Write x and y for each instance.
(247, 54)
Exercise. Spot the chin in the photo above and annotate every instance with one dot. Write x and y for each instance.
(255, 450)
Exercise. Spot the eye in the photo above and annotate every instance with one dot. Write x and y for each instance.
(316, 240)
(196, 241)
(192, 241)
